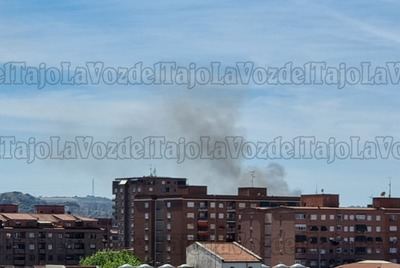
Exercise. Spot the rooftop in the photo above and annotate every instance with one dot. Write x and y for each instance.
(230, 252)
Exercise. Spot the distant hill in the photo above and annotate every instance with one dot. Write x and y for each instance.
(26, 202)
(91, 206)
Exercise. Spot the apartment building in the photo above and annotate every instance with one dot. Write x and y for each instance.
(158, 217)
(48, 236)
(322, 234)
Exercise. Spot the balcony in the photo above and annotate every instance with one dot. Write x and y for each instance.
(203, 235)
(202, 224)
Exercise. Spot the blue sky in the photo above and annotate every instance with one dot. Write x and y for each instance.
(265, 32)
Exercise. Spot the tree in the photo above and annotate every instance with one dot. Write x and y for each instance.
(111, 259)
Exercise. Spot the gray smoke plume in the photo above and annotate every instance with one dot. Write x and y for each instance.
(218, 120)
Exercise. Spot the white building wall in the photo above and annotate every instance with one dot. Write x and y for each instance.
(197, 257)
(241, 265)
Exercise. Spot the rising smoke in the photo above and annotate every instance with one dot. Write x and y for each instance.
(218, 120)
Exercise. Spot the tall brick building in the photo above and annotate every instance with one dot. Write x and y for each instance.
(322, 234)
(48, 236)
(159, 217)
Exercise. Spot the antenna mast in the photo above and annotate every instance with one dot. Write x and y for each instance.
(93, 187)
(390, 187)
(253, 175)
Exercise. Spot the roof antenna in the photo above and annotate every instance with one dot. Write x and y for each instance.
(92, 186)
(390, 187)
(151, 170)
(253, 175)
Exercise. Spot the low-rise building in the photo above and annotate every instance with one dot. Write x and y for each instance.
(28, 239)
(221, 255)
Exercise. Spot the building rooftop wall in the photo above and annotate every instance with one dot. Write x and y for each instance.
(320, 200)
(386, 202)
(8, 208)
(49, 209)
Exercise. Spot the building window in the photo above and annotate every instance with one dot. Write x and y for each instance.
(146, 205)
(190, 226)
(313, 217)
(220, 216)
(190, 204)
(212, 205)
(393, 228)
(221, 205)
(146, 216)
(190, 215)
(212, 226)
(50, 247)
(221, 238)
(168, 204)
(300, 216)
(212, 237)
(323, 217)
(190, 237)
(378, 217)
(31, 247)
(331, 217)
(242, 205)
(212, 215)
(169, 215)
(378, 229)
(301, 227)
(360, 217)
